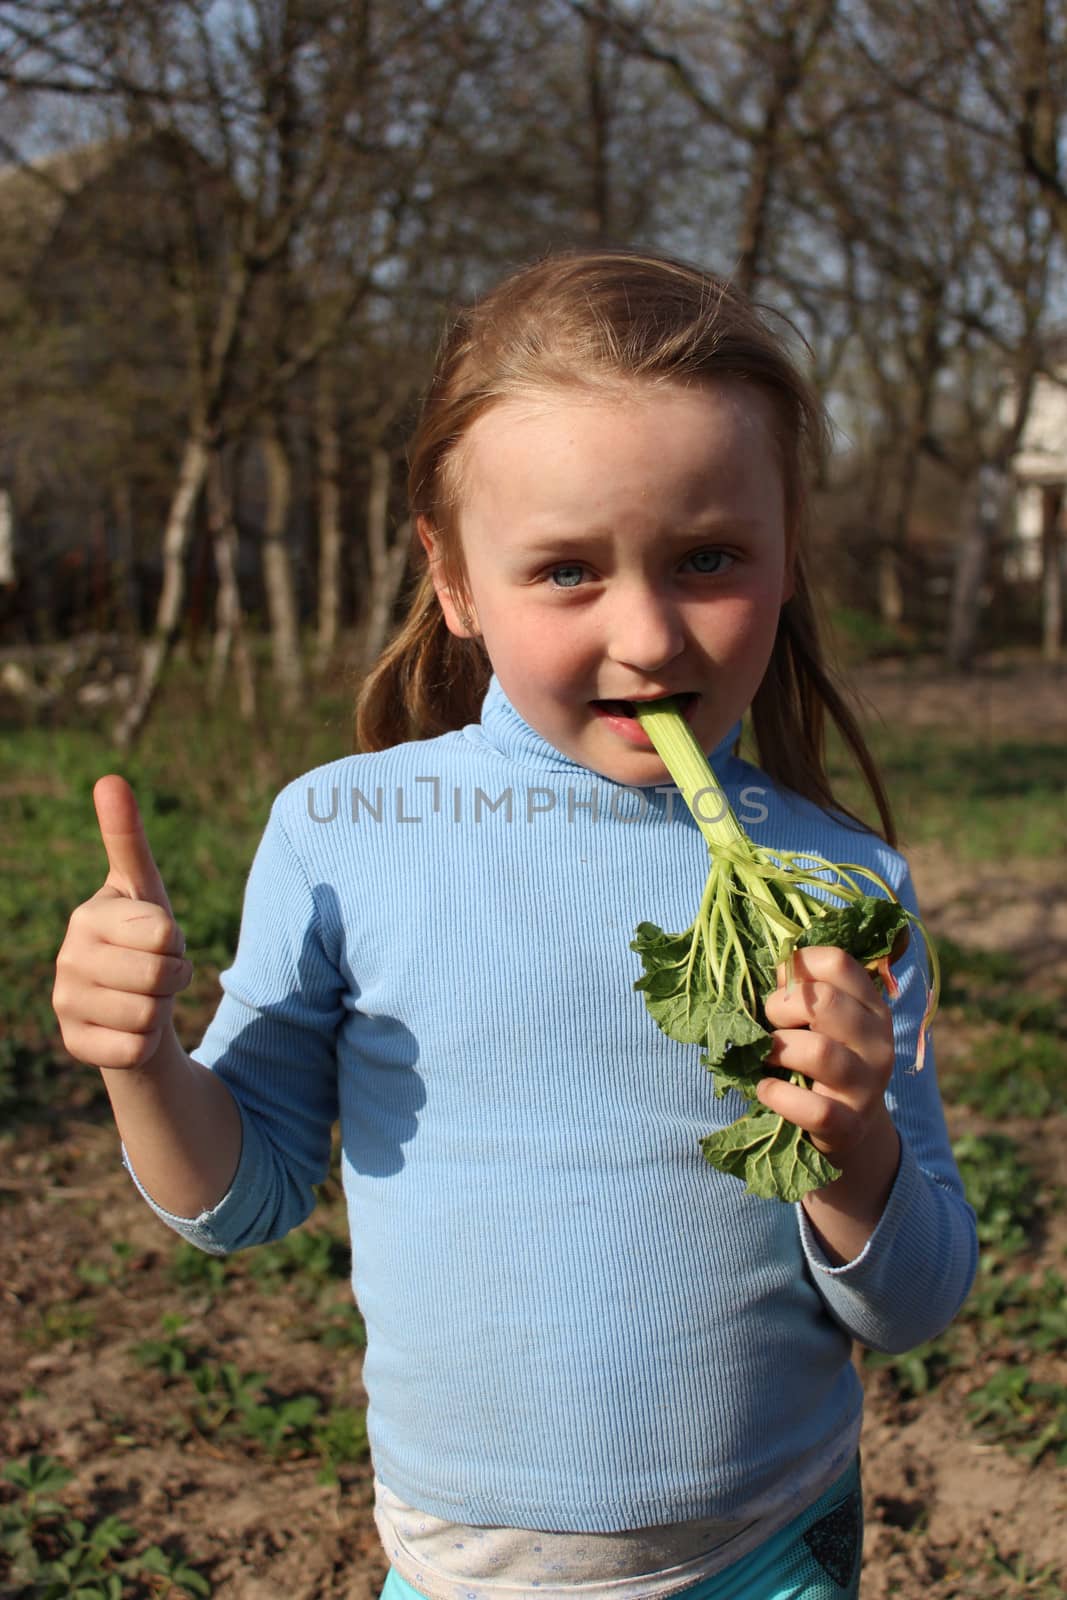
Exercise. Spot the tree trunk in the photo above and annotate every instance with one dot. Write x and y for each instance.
(793, 59)
(972, 564)
(125, 583)
(329, 507)
(890, 590)
(230, 638)
(925, 368)
(8, 576)
(176, 538)
(387, 562)
(1052, 496)
(757, 199)
(893, 547)
(278, 571)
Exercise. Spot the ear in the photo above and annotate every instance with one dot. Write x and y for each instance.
(457, 619)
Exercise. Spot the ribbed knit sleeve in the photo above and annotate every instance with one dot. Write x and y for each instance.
(913, 1275)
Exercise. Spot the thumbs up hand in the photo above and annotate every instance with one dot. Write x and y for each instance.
(123, 958)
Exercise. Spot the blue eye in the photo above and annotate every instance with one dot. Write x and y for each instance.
(710, 562)
(568, 577)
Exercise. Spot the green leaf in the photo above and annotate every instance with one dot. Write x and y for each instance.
(680, 1006)
(681, 1016)
(737, 1047)
(773, 1157)
(867, 928)
(664, 948)
(762, 962)
(36, 1473)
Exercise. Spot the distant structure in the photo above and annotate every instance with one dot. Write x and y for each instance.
(1040, 470)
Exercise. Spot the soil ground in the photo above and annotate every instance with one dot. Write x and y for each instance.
(948, 1514)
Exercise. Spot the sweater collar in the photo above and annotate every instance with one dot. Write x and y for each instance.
(511, 736)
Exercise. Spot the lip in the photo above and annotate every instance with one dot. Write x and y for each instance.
(629, 729)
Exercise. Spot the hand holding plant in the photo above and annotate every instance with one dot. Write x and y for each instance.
(815, 1092)
(832, 1028)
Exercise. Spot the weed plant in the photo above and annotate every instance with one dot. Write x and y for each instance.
(49, 1553)
(219, 1401)
(1013, 1317)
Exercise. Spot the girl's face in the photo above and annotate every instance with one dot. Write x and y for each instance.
(622, 548)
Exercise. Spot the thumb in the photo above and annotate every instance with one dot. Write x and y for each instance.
(131, 867)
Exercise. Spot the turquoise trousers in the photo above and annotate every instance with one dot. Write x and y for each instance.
(815, 1557)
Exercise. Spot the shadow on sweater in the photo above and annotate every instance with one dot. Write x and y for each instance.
(308, 1058)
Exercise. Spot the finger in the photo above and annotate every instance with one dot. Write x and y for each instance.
(140, 971)
(831, 1125)
(111, 917)
(124, 1013)
(108, 1047)
(833, 1067)
(131, 867)
(835, 1011)
(827, 964)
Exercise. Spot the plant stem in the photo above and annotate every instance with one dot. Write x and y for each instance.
(689, 767)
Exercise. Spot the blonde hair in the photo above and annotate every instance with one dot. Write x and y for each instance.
(580, 320)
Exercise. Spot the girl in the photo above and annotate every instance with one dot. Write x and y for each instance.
(595, 1366)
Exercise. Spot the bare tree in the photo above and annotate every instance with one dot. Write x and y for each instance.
(229, 638)
(741, 69)
(299, 106)
(328, 505)
(981, 252)
(388, 557)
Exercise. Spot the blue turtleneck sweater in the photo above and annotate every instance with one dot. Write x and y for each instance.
(573, 1322)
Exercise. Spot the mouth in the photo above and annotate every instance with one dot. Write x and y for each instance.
(626, 710)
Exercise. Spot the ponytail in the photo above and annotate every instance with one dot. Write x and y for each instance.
(789, 712)
(426, 681)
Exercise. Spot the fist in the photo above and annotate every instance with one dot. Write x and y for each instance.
(123, 958)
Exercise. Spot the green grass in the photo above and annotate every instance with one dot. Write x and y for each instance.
(983, 799)
(860, 636)
(1026, 1414)
(1017, 1065)
(994, 1574)
(1001, 1188)
(988, 987)
(1013, 1073)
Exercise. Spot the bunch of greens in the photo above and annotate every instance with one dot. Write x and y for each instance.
(707, 985)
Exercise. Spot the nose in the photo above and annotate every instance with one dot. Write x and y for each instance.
(645, 630)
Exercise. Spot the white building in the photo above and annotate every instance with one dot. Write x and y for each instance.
(1040, 470)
